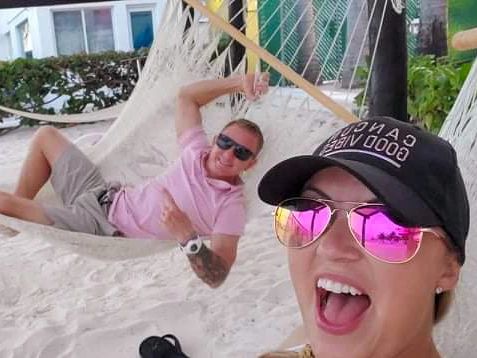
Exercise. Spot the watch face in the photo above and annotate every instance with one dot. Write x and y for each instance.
(194, 247)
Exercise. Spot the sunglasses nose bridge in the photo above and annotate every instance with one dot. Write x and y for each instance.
(334, 217)
(229, 154)
(335, 211)
(336, 240)
(347, 216)
(229, 148)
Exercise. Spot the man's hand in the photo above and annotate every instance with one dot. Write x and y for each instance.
(175, 220)
(211, 265)
(255, 85)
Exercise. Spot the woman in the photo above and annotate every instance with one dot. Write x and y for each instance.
(376, 222)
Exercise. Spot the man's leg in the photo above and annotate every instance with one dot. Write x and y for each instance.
(46, 147)
(22, 208)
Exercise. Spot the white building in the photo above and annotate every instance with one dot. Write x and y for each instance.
(67, 29)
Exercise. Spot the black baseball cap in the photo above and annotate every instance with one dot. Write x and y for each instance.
(414, 172)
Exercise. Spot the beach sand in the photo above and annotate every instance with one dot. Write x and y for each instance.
(55, 303)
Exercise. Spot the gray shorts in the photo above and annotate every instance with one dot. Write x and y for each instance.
(86, 196)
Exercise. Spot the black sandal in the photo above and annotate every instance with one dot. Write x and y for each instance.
(161, 347)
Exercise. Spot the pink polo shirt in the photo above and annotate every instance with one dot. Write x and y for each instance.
(213, 206)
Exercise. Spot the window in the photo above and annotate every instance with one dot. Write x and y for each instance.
(99, 30)
(25, 40)
(142, 29)
(89, 30)
(69, 32)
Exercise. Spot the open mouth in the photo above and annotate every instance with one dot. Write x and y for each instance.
(340, 307)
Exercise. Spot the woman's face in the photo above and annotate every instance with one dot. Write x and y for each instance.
(394, 315)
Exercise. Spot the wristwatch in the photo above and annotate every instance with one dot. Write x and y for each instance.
(192, 246)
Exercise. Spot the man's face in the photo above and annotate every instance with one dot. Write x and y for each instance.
(225, 164)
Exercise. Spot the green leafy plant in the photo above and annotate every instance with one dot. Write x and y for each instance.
(81, 81)
(433, 86)
(362, 73)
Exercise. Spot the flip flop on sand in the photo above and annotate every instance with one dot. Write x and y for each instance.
(161, 347)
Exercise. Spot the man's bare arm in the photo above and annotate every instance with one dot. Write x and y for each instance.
(198, 94)
(213, 265)
(209, 267)
(191, 97)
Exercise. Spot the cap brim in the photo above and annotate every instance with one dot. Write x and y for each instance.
(287, 178)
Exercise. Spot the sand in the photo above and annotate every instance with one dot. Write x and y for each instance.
(57, 303)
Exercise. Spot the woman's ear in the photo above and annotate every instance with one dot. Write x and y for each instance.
(450, 274)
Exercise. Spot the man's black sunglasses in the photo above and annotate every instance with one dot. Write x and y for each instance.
(225, 143)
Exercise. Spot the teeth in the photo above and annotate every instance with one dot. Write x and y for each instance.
(354, 291)
(337, 287)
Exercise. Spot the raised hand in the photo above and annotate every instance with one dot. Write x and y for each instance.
(255, 85)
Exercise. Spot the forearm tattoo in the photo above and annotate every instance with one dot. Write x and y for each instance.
(209, 267)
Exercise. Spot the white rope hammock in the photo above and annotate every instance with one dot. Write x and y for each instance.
(149, 115)
(96, 116)
(459, 331)
(398, 6)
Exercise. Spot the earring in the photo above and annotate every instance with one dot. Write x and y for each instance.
(439, 290)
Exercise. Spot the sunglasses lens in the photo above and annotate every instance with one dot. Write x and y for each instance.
(299, 222)
(242, 153)
(379, 235)
(224, 142)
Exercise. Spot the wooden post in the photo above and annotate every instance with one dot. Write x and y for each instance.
(237, 51)
(340, 111)
(388, 87)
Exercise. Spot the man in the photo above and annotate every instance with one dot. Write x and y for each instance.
(200, 196)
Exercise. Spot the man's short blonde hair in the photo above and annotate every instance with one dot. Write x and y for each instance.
(251, 127)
